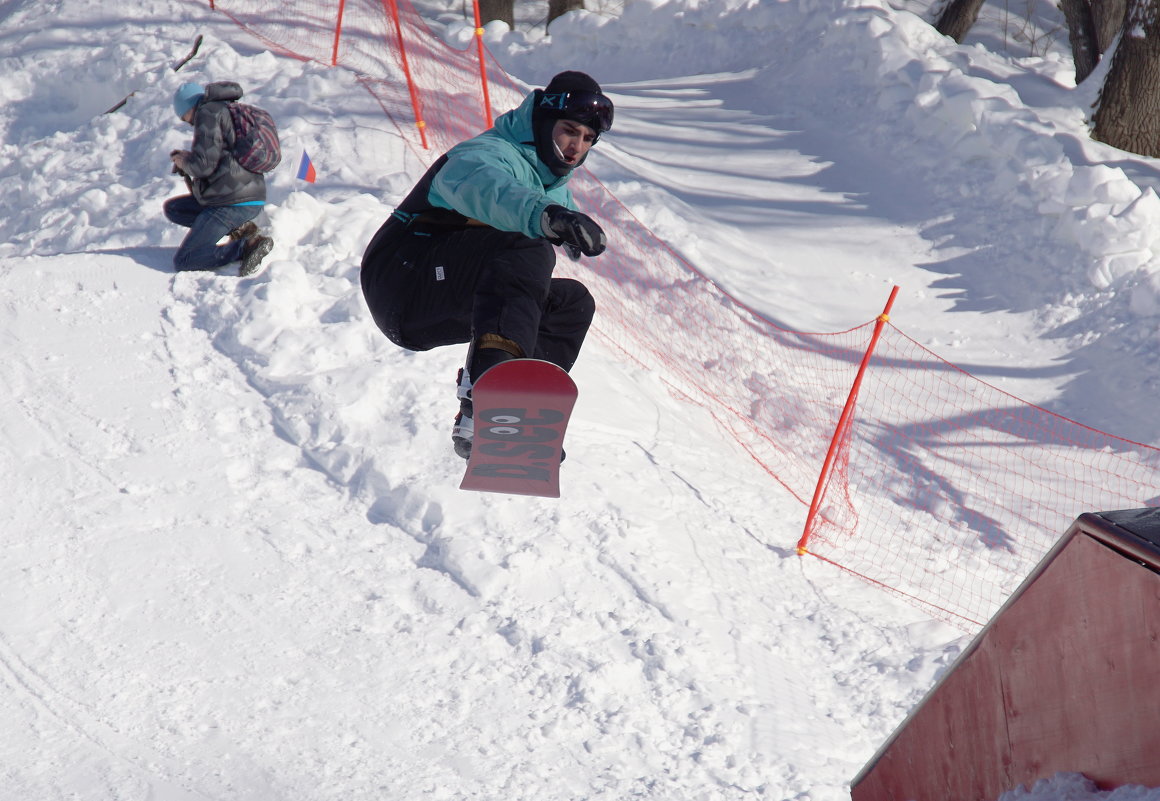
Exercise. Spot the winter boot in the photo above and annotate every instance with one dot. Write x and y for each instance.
(255, 249)
(244, 231)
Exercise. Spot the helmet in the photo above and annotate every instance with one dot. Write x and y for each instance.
(573, 96)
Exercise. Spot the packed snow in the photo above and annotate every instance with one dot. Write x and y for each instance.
(236, 561)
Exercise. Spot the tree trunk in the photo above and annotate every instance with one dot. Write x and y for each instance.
(557, 8)
(1081, 31)
(1128, 109)
(958, 18)
(503, 10)
(1108, 16)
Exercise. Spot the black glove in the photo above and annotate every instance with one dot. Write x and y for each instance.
(563, 226)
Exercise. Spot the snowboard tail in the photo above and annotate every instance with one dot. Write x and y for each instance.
(521, 410)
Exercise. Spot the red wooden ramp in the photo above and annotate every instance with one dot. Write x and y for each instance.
(1065, 677)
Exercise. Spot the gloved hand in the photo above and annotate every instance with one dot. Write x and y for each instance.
(567, 227)
(178, 159)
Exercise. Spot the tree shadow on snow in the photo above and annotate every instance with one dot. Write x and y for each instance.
(995, 252)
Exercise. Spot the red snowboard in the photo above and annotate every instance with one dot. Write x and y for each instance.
(521, 410)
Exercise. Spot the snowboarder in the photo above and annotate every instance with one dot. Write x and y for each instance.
(467, 256)
(225, 197)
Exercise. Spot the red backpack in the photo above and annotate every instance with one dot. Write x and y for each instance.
(256, 144)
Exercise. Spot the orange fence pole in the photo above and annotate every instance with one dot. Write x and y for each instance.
(392, 9)
(842, 428)
(482, 65)
(337, 33)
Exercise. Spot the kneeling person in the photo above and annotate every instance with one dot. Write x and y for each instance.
(225, 197)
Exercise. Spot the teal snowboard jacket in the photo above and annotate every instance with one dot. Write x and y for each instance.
(497, 178)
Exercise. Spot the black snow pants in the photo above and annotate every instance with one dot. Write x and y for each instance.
(427, 287)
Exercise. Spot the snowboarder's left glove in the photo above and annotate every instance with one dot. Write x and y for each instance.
(564, 226)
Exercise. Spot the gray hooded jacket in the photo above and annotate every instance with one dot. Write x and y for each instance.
(218, 179)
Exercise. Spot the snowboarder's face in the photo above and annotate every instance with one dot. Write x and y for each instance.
(573, 140)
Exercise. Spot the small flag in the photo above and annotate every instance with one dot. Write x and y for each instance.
(306, 169)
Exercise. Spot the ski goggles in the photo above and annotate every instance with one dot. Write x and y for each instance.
(589, 108)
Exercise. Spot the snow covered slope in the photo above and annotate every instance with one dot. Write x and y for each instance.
(235, 562)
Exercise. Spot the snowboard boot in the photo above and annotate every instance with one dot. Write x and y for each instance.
(483, 354)
(463, 431)
(255, 249)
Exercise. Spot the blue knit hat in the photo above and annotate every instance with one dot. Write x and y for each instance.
(186, 97)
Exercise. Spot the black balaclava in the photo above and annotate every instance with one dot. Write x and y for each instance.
(544, 119)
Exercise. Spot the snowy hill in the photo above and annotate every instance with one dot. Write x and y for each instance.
(236, 562)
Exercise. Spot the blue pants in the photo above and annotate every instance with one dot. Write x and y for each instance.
(200, 249)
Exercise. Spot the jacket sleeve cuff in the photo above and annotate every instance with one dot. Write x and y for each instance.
(536, 224)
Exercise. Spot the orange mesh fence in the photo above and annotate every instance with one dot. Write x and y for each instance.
(961, 488)
(944, 489)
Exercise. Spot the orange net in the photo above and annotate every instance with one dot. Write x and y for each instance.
(961, 488)
(944, 489)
